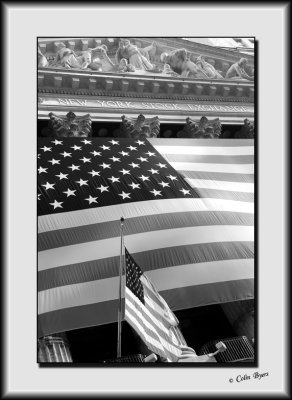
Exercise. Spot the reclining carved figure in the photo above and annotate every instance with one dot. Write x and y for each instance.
(181, 64)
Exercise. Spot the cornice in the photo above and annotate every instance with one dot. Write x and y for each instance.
(61, 81)
(131, 95)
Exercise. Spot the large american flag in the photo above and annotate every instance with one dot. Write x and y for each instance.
(188, 209)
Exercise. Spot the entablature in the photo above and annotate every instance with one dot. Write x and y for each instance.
(142, 85)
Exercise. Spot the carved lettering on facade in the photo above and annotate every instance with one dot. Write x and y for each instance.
(137, 105)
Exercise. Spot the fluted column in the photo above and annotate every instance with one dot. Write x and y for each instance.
(54, 348)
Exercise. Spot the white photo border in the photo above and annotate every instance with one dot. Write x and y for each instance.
(23, 23)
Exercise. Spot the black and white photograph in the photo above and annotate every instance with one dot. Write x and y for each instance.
(146, 200)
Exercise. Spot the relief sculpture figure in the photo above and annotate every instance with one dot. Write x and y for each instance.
(208, 68)
(134, 56)
(42, 61)
(66, 58)
(181, 64)
(236, 71)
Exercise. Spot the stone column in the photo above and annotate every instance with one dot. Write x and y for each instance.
(54, 348)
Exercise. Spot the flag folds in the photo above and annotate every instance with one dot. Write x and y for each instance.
(188, 209)
(147, 312)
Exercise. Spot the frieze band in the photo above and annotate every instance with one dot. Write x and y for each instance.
(144, 105)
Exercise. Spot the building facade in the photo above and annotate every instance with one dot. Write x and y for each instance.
(146, 88)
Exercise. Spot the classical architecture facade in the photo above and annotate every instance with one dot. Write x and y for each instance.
(144, 88)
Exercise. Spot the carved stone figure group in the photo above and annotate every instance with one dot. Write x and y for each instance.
(130, 58)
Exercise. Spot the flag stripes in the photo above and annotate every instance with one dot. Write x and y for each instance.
(47, 223)
(189, 166)
(218, 176)
(106, 312)
(210, 159)
(165, 278)
(98, 231)
(161, 258)
(198, 251)
(146, 241)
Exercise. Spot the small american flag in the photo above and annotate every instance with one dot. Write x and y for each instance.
(148, 313)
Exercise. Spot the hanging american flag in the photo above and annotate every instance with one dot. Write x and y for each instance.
(147, 313)
(189, 217)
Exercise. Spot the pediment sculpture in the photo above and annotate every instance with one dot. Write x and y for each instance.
(129, 58)
(203, 128)
(140, 128)
(237, 71)
(68, 126)
(179, 62)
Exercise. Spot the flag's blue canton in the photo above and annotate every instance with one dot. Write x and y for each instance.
(133, 273)
(77, 173)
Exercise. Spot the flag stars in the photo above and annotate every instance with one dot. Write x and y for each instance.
(56, 142)
(62, 176)
(125, 172)
(104, 166)
(164, 184)
(140, 143)
(85, 141)
(53, 161)
(39, 194)
(85, 160)
(144, 178)
(132, 148)
(103, 147)
(156, 192)
(81, 182)
(94, 173)
(91, 199)
(133, 165)
(161, 165)
(115, 159)
(45, 148)
(135, 185)
(113, 179)
(142, 159)
(57, 204)
(103, 188)
(65, 154)
(123, 153)
(150, 153)
(124, 195)
(70, 192)
(173, 178)
(74, 167)
(41, 169)
(48, 186)
(95, 153)
(153, 171)
(76, 147)
(184, 191)
(113, 142)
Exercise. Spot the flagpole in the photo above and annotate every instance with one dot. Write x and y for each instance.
(119, 349)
